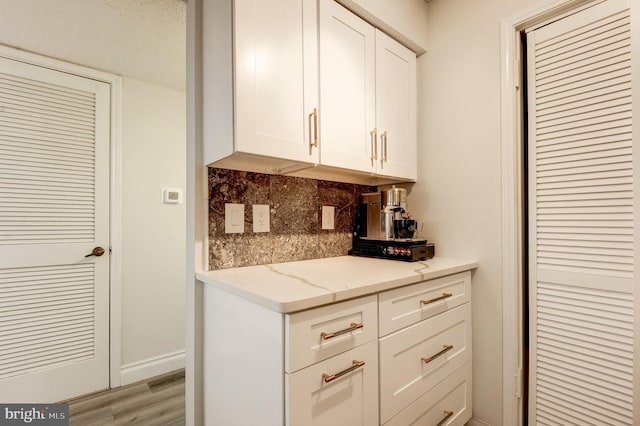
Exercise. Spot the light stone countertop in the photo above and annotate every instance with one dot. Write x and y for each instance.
(295, 286)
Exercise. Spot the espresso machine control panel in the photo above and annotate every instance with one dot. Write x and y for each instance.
(411, 250)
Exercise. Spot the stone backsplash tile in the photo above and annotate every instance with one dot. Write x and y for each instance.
(295, 218)
(294, 204)
(334, 244)
(291, 247)
(346, 199)
(233, 250)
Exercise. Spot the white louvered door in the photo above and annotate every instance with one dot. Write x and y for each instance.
(54, 209)
(581, 207)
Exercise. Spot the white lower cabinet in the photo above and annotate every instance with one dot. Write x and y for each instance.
(404, 306)
(425, 352)
(341, 390)
(317, 334)
(449, 403)
(334, 365)
(418, 358)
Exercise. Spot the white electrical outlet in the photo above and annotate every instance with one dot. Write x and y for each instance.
(328, 217)
(261, 218)
(233, 218)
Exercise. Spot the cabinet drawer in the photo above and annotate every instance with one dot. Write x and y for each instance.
(318, 334)
(408, 305)
(448, 404)
(349, 399)
(414, 360)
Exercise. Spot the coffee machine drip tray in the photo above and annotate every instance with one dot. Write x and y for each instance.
(397, 249)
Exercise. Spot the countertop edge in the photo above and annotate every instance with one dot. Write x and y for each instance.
(251, 296)
(334, 296)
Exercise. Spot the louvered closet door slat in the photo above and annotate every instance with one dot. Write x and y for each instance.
(37, 103)
(38, 294)
(581, 215)
(38, 110)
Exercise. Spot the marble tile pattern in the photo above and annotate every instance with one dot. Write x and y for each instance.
(295, 216)
(295, 286)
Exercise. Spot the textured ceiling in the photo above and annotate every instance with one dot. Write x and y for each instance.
(143, 39)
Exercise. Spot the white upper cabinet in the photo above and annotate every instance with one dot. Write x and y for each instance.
(367, 96)
(276, 78)
(300, 86)
(396, 108)
(347, 88)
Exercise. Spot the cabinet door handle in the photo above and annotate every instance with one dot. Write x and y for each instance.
(330, 377)
(437, 299)
(383, 147)
(313, 134)
(354, 326)
(446, 349)
(374, 145)
(447, 414)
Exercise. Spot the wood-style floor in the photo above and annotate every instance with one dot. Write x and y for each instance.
(157, 401)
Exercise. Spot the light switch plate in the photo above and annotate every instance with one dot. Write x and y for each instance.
(261, 222)
(233, 218)
(328, 217)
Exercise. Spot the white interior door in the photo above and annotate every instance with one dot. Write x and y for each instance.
(54, 209)
(581, 219)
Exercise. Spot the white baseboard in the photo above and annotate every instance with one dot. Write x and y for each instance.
(150, 367)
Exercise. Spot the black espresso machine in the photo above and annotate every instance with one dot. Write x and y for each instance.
(384, 229)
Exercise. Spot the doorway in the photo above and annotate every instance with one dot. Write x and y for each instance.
(582, 243)
(580, 196)
(55, 148)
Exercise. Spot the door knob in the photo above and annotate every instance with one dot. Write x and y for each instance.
(97, 251)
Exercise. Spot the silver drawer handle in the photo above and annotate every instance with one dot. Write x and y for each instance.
(383, 148)
(447, 414)
(330, 377)
(313, 135)
(354, 326)
(374, 145)
(446, 349)
(437, 299)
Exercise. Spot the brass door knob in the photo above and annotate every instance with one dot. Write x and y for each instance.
(97, 251)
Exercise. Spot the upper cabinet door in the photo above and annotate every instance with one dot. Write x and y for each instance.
(347, 89)
(396, 108)
(276, 78)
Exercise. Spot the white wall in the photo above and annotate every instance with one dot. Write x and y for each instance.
(458, 194)
(153, 234)
(405, 20)
(145, 43)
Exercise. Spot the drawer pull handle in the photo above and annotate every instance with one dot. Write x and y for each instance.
(331, 377)
(446, 349)
(383, 148)
(447, 414)
(437, 299)
(374, 145)
(354, 326)
(313, 140)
